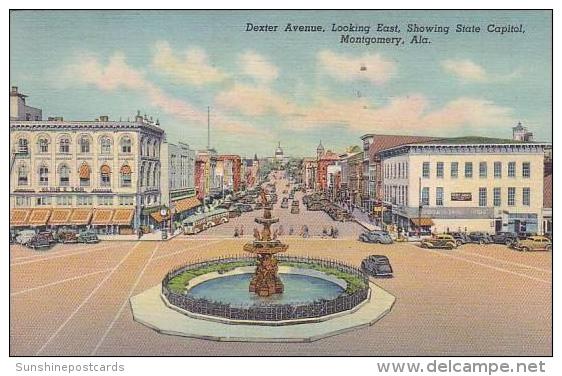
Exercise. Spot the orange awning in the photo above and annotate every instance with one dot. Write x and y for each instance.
(18, 217)
(424, 221)
(102, 217)
(123, 216)
(105, 169)
(158, 217)
(60, 216)
(80, 216)
(39, 217)
(84, 171)
(186, 204)
(126, 169)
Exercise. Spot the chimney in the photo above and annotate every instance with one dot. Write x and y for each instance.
(104, 118)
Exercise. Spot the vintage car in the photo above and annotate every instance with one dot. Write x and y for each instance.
(285, 203)
(295, 207)
(377, 237)
(443, 241)
(533, 243)
(244, 207)
(88, 237)
(460, 237)
(67, 236)
(24, 236)
(480, 237)
(258, 206)
(49, 235)
(315, 206)
(377, 266)
(234, 212)
(507, 238)
(39, 241)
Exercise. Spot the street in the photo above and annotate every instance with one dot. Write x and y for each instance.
(74, 299)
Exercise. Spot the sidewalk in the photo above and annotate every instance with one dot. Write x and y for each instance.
(153, 236)
(363, 220)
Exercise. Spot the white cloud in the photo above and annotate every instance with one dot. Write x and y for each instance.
(191, 67)
(371, 67)
(465, 70)
(258, 67)
(254, 101)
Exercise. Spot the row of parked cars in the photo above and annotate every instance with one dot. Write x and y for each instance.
(455, 239)
(316, 202)
(46, 239)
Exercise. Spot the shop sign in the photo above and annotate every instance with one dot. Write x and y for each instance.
(62, 189)
(461, 196)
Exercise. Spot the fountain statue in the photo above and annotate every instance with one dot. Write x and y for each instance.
(266, 282)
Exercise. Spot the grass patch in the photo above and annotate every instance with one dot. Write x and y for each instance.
(178, 283)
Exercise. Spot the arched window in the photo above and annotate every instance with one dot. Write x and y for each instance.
(155, 148)
(43, 145)
(141, 176)
(125, 175)
(64, 176)
(23, 175)
(155, 176)
(43, 175)
(23, 147)
(84, 144)
(148, 174)
(105, 145)
(84, 173)
(143, 147)
(105, 172)
(64, 145)
(126, 145)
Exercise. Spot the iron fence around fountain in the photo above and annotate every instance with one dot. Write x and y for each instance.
(267, 312)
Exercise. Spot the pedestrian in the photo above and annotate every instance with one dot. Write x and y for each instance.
(280, 233)
(324, 232)
(236, 232)
(139, 233)
(331, 231)
(290, 230)
(336, 232)
(241, 230)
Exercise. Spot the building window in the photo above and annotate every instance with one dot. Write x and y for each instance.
(526, 169)
(511, 169)
(105, 145)
(64, 145)
(439, 196)
(425, 196)
(43, 145)
(482, 196)
(22, 175)
(126, 145)
(483, 169)
(125, 176)
(497, 196)
(84, 200)
(64, 178)
(105, 200)
(23, 147)
(425, 169)
(439, 169)
(468, 169)
(105, 176)
(43, 200)
(527, 196)
(454, 169)
(84, 145)
(497, 169)
(43, 175)
(23, 201)
(511, 196)
(84, 173)
(64, 200)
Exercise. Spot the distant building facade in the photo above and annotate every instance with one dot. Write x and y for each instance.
(521, 133)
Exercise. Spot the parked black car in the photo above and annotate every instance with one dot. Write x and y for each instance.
(377, 266)
(480, 237)
(245, 207)
(88, 237)
(460, 237)
(507, 238)
(39, 241)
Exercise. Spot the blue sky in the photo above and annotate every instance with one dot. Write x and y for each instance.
(297, 88)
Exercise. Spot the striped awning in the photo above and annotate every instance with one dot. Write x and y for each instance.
(102, 217)
(18, 217)
(60, 217)
(126, 169)
(80, 216)
(158, 217)
(84, 171)
(39, 217)
(105, 169)
(123, 217)
(186, 204)
(424, 221)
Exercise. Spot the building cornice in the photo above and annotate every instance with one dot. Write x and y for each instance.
(514, 148)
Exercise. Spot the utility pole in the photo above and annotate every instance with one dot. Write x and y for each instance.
(419, 207)
(208, 128)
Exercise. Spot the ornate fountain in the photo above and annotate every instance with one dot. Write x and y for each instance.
(266, 282)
